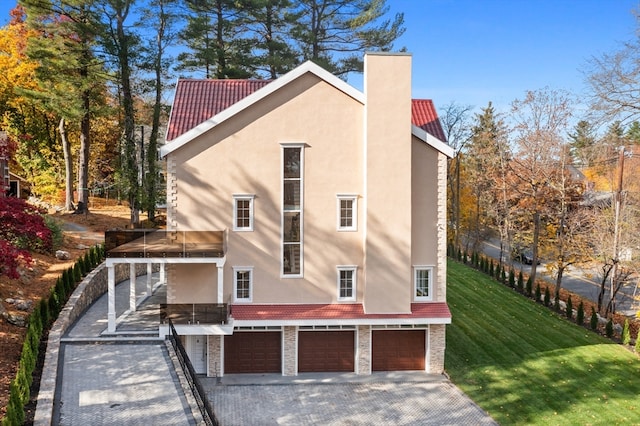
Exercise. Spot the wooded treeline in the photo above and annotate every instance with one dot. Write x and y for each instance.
(534, 180)
(84, 93)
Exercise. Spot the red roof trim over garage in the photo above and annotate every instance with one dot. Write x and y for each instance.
(251, 312)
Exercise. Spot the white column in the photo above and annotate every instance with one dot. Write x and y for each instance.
(111, 286)
(149, 285)
(162, 276)
(220, 282)
(132, 287)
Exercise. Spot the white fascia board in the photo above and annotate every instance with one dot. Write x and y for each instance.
(432, 141)
(337, 321)
(112, 261)
(257, 96)
(198, 329)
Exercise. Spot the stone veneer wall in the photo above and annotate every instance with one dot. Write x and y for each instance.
(214, 348)
(436, 348)
(172, 193)
(363, 365)
(93, 286)
(441, 279)
(290, 351)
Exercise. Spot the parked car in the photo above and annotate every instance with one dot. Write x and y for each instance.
(523, 256)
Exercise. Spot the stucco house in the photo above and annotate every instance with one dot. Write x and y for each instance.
(305, 224)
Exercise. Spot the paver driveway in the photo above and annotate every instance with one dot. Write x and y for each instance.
(374, 402)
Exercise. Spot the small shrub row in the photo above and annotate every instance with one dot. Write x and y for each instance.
(40, 320)
(499, 272)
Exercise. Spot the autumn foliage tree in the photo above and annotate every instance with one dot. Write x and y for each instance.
(541, 121)
(23, 230)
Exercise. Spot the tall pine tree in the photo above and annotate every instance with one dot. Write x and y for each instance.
(217, 43)
(335, 33)
(68, 69)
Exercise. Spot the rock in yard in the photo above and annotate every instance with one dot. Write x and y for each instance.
(62, 255)
(23, 305)
(17, 320)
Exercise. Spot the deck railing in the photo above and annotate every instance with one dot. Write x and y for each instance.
(199, 393)
(194, 313)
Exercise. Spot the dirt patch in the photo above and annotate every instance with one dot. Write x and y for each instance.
(36, 281)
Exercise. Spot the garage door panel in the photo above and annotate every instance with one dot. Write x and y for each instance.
(396, 350)
(326, 351)
(253, 352)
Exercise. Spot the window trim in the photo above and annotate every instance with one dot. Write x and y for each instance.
(237, 269)
(243, 197)
(429, 269)
(283, 146)
(354, 212)
(354, 281)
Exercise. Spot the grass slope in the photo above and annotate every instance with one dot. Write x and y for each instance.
(523, 364)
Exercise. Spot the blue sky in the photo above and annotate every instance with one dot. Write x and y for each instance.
(475, 51)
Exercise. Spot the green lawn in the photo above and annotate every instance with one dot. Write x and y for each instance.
(524, 364)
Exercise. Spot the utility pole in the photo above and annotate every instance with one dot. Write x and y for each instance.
(616, 222)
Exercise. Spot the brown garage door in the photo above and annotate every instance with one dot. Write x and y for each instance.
(325, 351)
(252, 352)
(394, 350)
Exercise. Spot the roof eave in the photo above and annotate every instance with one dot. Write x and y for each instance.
(432, 141)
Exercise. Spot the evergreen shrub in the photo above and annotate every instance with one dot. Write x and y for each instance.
(538, 292)
(608, 330)
(626, 335)
(77, 274)
(569, 308)
(43, 307)
(547, 297)
(520, 281)
(580, 314)
(593, 322)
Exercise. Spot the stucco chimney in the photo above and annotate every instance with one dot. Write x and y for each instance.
(387, 87)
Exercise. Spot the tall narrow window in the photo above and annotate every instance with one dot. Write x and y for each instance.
(347, 212)
(346, 283)
(242, 283)
(292, 198)
(243, 212)
(423, 289)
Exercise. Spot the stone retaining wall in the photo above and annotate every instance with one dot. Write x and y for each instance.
(93, 286)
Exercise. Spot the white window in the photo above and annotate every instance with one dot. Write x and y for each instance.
(292, 209)
(422, 283)
(347, 283)
(242, 283)
(243, 212)
(347, 212)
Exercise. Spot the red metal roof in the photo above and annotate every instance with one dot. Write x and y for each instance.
(196, 101)
(251, 312)
(424, 115)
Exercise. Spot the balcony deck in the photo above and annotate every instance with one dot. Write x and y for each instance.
(151, 243)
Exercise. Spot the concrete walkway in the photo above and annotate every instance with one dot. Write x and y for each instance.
(127, 379)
